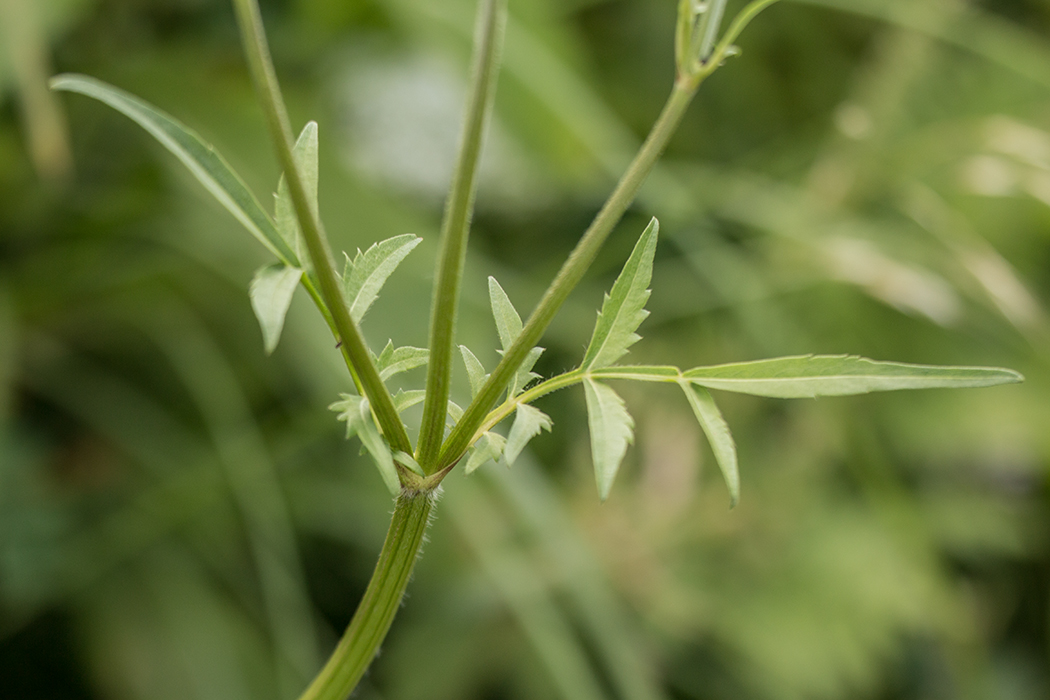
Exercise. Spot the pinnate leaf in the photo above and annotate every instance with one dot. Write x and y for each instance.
(624, 307)
(393, 361)
(489, 447)
(810, 376)
(717, 431)
(509, 327)
(271, 293)
(305, 154)
(612, 430)
(210, 168)
(357, 413)
(528, 422)
(366, 274)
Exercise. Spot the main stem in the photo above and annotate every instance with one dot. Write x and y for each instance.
(376, 611)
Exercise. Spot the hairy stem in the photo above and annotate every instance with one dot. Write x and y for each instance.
(258, 54)
(370, 623)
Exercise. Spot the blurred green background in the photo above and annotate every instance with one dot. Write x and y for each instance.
(180, 516)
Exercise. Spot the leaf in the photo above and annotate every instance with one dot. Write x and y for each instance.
(528, 422)
(409, 462)
(405, 400)
(612, 430)
(358, 416)
(271, 293)
(624, 307)
(475, 370)
(718, 435)
(489, 447)
(305, 154)
(200, 157)
(509, 327)
(392, 362)
(368, 272)
(809, 376)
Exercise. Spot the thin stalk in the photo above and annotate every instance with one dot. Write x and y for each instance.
(574, 268)
(455, 231)
(375, 390)
(382, 598)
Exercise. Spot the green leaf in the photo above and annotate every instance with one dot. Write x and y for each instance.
(475, 370)
(271, 293)
(489, 447)
(509, 327)
(624, 307)
(358, 416)
(612, 430)
(305, 154)
(200, 157)
(409, 462)
(809, 376)
(528, 422)
(718, 435)
(405, 400)
(392, 362)
(366, 274)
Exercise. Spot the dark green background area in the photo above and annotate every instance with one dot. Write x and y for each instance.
(181, 517)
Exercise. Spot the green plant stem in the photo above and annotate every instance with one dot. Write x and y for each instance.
(574, 268)
(710, 23)
(455, 231)
(370, 623)
(374, 388)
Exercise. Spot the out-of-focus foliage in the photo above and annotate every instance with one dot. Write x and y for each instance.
(180, 516)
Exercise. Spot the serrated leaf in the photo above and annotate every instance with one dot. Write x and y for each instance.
(489, 447)
(810, 376)
(624, 307)
(475, 370)
(366, 274)
(718, 436)
(528, 422)
(393, 361)
(305, 154)
(357, 413)
(509, 327)
(271, 293)
(612, 430)
(210, 168)
(405, 400)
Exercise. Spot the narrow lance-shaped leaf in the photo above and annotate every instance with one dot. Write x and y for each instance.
(271, 294)
(810, 376)
(475, 370)
(210, 168)
(509, 327)
(718, 435)
(357, 413)
(489, 447)
(528, 422)
(366, 274)
(612, 430)
(624, 307)
(305, 154)
(393, 361)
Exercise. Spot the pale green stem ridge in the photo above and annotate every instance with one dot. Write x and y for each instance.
(455, 231)
(375, 390)
(572, 271)
(370, 623)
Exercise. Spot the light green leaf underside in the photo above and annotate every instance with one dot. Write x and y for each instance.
(612, 430)
(509, 326)
(271, 293)
(358, 416)
(305, 154)
(405, 400)
(840, 375)
(717, 431)
(393, 361)
(528, 422)
(489, 447)
(409, 462)
(624, 307)
(475, 370)
(200, 157)
(366, 274)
